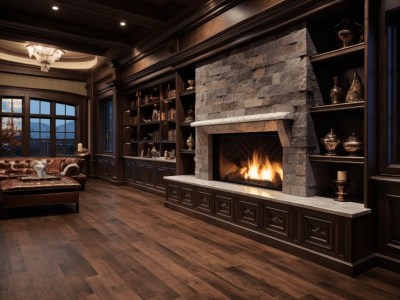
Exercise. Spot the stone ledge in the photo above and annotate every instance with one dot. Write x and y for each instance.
(322, 204)
(245, 119)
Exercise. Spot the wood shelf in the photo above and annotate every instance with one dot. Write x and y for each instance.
(337, 53)
(149, 123)
(337, 159)
(185, 124)
(184, 151)
(337, 107)
(188, 93)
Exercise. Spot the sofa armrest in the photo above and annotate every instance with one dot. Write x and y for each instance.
(71, 169)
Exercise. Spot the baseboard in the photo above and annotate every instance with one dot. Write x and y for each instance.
(387, 262)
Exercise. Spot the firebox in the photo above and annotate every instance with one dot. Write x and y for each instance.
(248, 158)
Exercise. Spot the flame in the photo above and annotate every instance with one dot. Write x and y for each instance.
(260, 168)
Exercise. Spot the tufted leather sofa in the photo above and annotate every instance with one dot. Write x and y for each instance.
(68, 166)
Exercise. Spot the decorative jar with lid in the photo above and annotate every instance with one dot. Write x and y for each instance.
(330, 141)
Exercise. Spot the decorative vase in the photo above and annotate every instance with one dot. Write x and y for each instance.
(330, 141)
(153, 151)
(356, 90)
(155, 116)
(336, 92)
(191, 84)
(189, 142)
(353, 145)
(346, 30)
(190, 115)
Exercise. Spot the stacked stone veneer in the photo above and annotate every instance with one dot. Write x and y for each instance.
(267, 76)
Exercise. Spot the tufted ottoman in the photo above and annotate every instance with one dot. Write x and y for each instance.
(24, 192)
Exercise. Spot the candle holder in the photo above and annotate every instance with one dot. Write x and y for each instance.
(341, 188)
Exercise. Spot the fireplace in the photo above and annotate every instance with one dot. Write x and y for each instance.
(248, 158)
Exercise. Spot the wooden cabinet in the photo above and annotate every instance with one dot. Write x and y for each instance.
(334, 240)
(147, 174)
(333, 59)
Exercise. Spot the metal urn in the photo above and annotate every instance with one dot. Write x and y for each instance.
(353, 145)
(330, 141)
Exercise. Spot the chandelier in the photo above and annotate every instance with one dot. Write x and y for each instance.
(44, 55)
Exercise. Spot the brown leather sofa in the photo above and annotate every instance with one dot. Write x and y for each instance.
(68, 166)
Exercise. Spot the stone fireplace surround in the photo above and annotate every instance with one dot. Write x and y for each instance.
(254, 88)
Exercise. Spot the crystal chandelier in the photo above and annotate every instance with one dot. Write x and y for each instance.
(44, 55)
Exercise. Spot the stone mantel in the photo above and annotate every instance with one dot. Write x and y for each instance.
(278, 121)
(245, 119)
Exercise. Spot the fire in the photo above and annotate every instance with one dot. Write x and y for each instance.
(259, 167)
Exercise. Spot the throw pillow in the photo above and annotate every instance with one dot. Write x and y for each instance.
(54, 167)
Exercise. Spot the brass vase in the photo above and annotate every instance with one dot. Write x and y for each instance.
(353, 145)
(346, 30)
(190, 142)
(356, 90)
(336, 93)
(330, 141)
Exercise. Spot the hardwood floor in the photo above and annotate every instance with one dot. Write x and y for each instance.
(125, 245)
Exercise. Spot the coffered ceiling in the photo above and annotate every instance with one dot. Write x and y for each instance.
(93, 27)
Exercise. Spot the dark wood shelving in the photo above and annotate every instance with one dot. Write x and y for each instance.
(149, 104)
(185, 124)
(184, 151)
(337, 159)
(167, 142)
(149, 142)
(187, 93)
(149, 123)
(337, 107)
(338, 52)
(168, 99)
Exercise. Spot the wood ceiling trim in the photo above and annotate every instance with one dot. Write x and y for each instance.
(282, 15)
(59, 35)
(203, 14)
(139, 18)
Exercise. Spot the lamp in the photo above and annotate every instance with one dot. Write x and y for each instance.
(44, 55)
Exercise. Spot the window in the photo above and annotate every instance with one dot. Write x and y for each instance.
(65, 137)
(51, 126)
(11, 137)
(11, 105)
(40, 136)
(11, 126)
(107, 126)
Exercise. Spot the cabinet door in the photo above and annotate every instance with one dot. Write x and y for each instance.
(129, 170)
(204, 201)
(160, 172)
(389, 220)
(139, 172)
(224, 206)
(248, 212)
(323, 233)
(149, 175)
(278, 220)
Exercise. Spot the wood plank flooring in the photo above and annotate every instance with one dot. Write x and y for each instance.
(125, 245)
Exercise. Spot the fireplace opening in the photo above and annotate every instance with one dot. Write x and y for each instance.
(248, 158)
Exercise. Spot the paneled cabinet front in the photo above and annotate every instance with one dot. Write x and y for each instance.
(321, 232)
(147, 173)
(389, 220)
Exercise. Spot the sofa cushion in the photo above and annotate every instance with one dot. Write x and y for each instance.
(54, 166)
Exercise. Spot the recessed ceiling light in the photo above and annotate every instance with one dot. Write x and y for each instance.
(122, 23)
(54, 7)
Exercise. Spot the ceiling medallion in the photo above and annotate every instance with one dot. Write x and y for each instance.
(44, 55)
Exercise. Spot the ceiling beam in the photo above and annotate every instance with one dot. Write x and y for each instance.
(59, 35)
(135, 15)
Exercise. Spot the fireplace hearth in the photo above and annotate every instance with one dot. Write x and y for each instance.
(248, 158)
